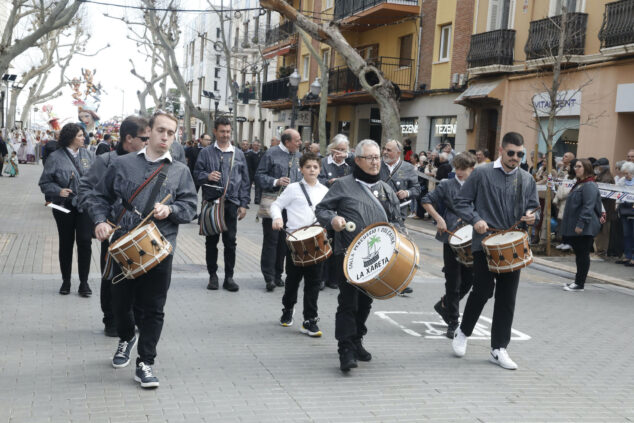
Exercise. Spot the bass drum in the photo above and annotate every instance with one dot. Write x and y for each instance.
(381, 261)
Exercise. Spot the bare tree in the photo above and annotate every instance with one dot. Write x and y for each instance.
(37, 18)
(371, 78)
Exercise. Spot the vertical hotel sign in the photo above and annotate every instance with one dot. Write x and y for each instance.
(568, 103)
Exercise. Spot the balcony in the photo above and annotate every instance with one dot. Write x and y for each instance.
(491, 48)
(246, 94)
(279, 33)
(618, 24)
(342, 81)
(374, 12)
(276, 90)
(543, 36)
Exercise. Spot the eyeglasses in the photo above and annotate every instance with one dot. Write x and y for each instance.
(371, 158)
(512, 153)
(144, 139)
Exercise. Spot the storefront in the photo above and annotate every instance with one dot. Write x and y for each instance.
(442, 130)
(566, 125)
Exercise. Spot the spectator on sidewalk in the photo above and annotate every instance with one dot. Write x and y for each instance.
(4, 153)
(581, 220)
(626, 213)
(630, 155)
(604, 176)
(565, 165)
(559, 201)
(444, 169)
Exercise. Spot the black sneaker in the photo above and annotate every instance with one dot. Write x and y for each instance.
(213, 282)
(407, 290)
(270, 286)
(144, 375)
(442, 311)
(279, 282)
(84, 290)
(287, 316)
(65, 288)
(310, 328)
(361, 353)
(347, 360)
(230, 285)
(451, 329)
(332, 285)
(322, 285)
(122, 355)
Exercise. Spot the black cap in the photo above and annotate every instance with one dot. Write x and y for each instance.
(601, 162)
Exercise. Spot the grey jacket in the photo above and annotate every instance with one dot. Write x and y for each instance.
(122, 179)
(60, 172)
(331, 170)
(497, 198)
(442, 199)
(209, 160)
(583, 208)
(92, 177)
(404, 178)
(348, 199)
(178, 152)
(276, 164)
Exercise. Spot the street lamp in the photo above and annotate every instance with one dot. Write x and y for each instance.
(7, 77)
(315, 88)
(293, 81)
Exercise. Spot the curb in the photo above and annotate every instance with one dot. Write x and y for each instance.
(547, 263)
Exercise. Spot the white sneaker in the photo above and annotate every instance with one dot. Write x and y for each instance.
(459, 343)
(502, 359)
(566, 247)
(559, 246)
(572, 287)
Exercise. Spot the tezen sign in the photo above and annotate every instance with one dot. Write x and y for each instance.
(568, 103)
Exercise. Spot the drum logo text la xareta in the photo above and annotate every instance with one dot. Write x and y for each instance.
(371, 253)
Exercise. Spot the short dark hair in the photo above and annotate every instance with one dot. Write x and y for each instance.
(308, 156)
(106, 137)
(161, 113)
(132, 125)
(512, 138)
(221, 120)
(68, 134)
(286, 137)
(464, 160)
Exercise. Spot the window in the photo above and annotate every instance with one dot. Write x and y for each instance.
(325, 57)
(215, 85)
(218, 33)
(192, 51)
(369, 53)
(217, 73)
(201, 85)
(405, 55)
(202, 46)
(571, 6)
(328, 4)
(305, 67)
(445, 43)
(217, 59)
(499, 13)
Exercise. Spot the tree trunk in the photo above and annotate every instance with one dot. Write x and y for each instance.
(371, 79)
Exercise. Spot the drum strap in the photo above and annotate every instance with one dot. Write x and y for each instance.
(310, 204)
(160, 179)
(127, 205)
(376, 200)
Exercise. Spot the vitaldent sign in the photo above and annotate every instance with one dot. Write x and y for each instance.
(568, 103)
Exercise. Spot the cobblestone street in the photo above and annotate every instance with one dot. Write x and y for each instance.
(223, 356)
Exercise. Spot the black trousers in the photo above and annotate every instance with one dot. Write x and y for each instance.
(484, 284)
(106, 296)
(458, 281)
(148, 293)
(273, 251)
(294, 275)
(74, 227)
(228, 241)
(257, 194)
(582, 246)
(353, 308)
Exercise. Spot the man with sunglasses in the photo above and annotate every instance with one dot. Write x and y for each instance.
(496, 195)
(133, 134)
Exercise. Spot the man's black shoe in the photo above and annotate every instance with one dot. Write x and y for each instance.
(279, 282)
(110, 330)
(361, 353)
(407, 290)
(84, 290)
(322, 285)
(145, 376)
(65, 288)
(440, 309)
(213, 282)
(332, 285)
(270, 286)
(347, 360)
(230, 285)
(451, 329)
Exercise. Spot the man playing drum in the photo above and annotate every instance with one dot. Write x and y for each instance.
(361, 198)
(496, 195)
(458, 276)
(127, 181)
(299, 200)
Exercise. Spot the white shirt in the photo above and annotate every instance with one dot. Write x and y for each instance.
(391, 167)
(294, 201)
(228, 150)
(459, 181)
(167, 156)
(498, 165)
(283, 148)
(330, 160)
(73, 153)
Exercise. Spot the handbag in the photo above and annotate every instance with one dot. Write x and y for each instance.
(269, 197)
(212, 214)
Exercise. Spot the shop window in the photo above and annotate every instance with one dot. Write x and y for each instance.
(442, 130)
(565, 138)
(344, 128)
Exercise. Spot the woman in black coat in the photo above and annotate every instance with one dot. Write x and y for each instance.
(60, 184)
(581, 223)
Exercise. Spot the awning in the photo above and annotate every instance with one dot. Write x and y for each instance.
(279, 52)
(478, 90)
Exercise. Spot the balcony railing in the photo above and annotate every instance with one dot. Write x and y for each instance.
(275, 90)
(345, 8)
(492, 48)
(618, 24)
(279, 33)
(246, 94)
(399, 71)
(544, 34)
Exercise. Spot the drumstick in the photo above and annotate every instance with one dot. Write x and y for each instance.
(167, 197)
(453, 234)
(288, 233)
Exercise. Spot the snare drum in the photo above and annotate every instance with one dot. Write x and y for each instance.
(507, 251)
(381, 261)
(309, 246)
(462, 246)
(139, 251)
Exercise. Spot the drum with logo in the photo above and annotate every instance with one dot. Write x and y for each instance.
(460, 243)
(381, 261)
(507, 251)
(309, 246)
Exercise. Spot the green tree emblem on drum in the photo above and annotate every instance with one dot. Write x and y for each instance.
(373, 252)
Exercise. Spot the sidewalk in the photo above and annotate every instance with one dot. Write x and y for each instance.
(601, 269)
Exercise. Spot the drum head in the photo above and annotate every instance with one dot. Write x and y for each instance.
(306, 233)
(504, 238)
(465, 234)
(370, 252)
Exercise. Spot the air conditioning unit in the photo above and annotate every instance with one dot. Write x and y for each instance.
(454, 78)
(462, 81)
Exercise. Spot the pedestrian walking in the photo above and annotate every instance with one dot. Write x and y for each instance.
(626, 214)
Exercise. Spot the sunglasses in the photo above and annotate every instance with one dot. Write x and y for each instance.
(512, 153)
(144, 139)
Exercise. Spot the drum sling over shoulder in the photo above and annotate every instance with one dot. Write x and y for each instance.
(212, 214)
